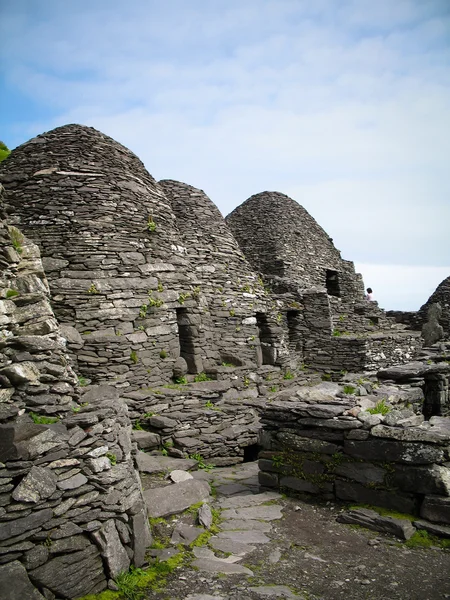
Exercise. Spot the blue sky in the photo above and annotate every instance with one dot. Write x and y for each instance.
(342, 104)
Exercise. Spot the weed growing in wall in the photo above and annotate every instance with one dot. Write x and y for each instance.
(349, 389)
(17, 239)
(202, 377)
(92, 289)
(11, 293)
(151, 225)
(288, 375)
(201, 462)
(134, 357)
(40, 420)
(163, 354)
(380, 408)
(183, 297)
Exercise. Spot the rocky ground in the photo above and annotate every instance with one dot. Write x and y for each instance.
(271, 546)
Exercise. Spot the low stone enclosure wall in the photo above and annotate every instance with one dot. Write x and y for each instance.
(376, 449)
(71, 500)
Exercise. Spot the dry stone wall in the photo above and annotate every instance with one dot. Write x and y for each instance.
(442, 296)
(230, 292)
(70, 497)
(110, 249)
(326, 442)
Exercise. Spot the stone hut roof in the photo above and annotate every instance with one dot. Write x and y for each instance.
(441, 295)
(280, 238)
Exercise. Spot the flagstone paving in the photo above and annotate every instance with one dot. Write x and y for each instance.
(270, 546)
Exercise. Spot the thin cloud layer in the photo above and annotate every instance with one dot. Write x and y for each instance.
(343, 106)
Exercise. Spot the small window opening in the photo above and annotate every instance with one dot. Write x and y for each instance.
(188, 338)
(266, 339)
(332, 283)
(251, 452)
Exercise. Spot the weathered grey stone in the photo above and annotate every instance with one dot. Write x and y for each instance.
(436, 509)
(162, 422)
(249, 500)
(141, 537)
(61, 575)
(205, 516)
(39, 484)
(396, 451)
(35, 557)
(111, 548)
(21, 373)
(267, 513)
(178, 475)
(231, 546)
(414, 434)
(13, 438)
(146, 439)
(185, 534)
(247, 524)
(433, 479)
(401, 528)
(350, 490)
(433, 528)
(11, 529)
(162, 464)
(244, 537)
(365, 473)
(306, 444)
(173, 499)
(73, 482)
(15, 584)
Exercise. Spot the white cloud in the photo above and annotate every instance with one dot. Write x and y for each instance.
(344, 106)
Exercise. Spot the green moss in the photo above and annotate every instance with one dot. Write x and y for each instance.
(40, 420)
(163, 354)
(385, 512)
(11, 293)
(423, 539)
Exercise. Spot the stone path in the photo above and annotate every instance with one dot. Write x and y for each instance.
(270, 546)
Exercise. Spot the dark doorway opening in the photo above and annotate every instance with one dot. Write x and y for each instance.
(294, 331)
(188, 337)
(251, 452)
(266, 339)
(332, 283)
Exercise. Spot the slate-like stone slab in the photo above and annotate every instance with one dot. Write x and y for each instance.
(185, 534)
(11, 529)
(107, 539)
(433, 528)
(236, 548)
(39, 484)
(244, 525)
(173, 499)
(72, 575)
(211, 565)
(244, 537)
(229, 489)
(146, 439)
(401, 528)
(436, 509)
(267, 513)
(249, 500)
(205, 516)
(15, 584)
(163, 464)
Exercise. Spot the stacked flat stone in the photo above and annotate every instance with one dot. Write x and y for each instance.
(72, 500)
(325, 442)
(34, 373)
(110, 249)
(320, 293)
(230, 292)
(442, 296)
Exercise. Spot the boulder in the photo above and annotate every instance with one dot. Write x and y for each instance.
(15, 584)
(174, 499)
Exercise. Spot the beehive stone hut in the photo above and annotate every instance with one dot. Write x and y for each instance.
(233, 301)
(323, 296)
